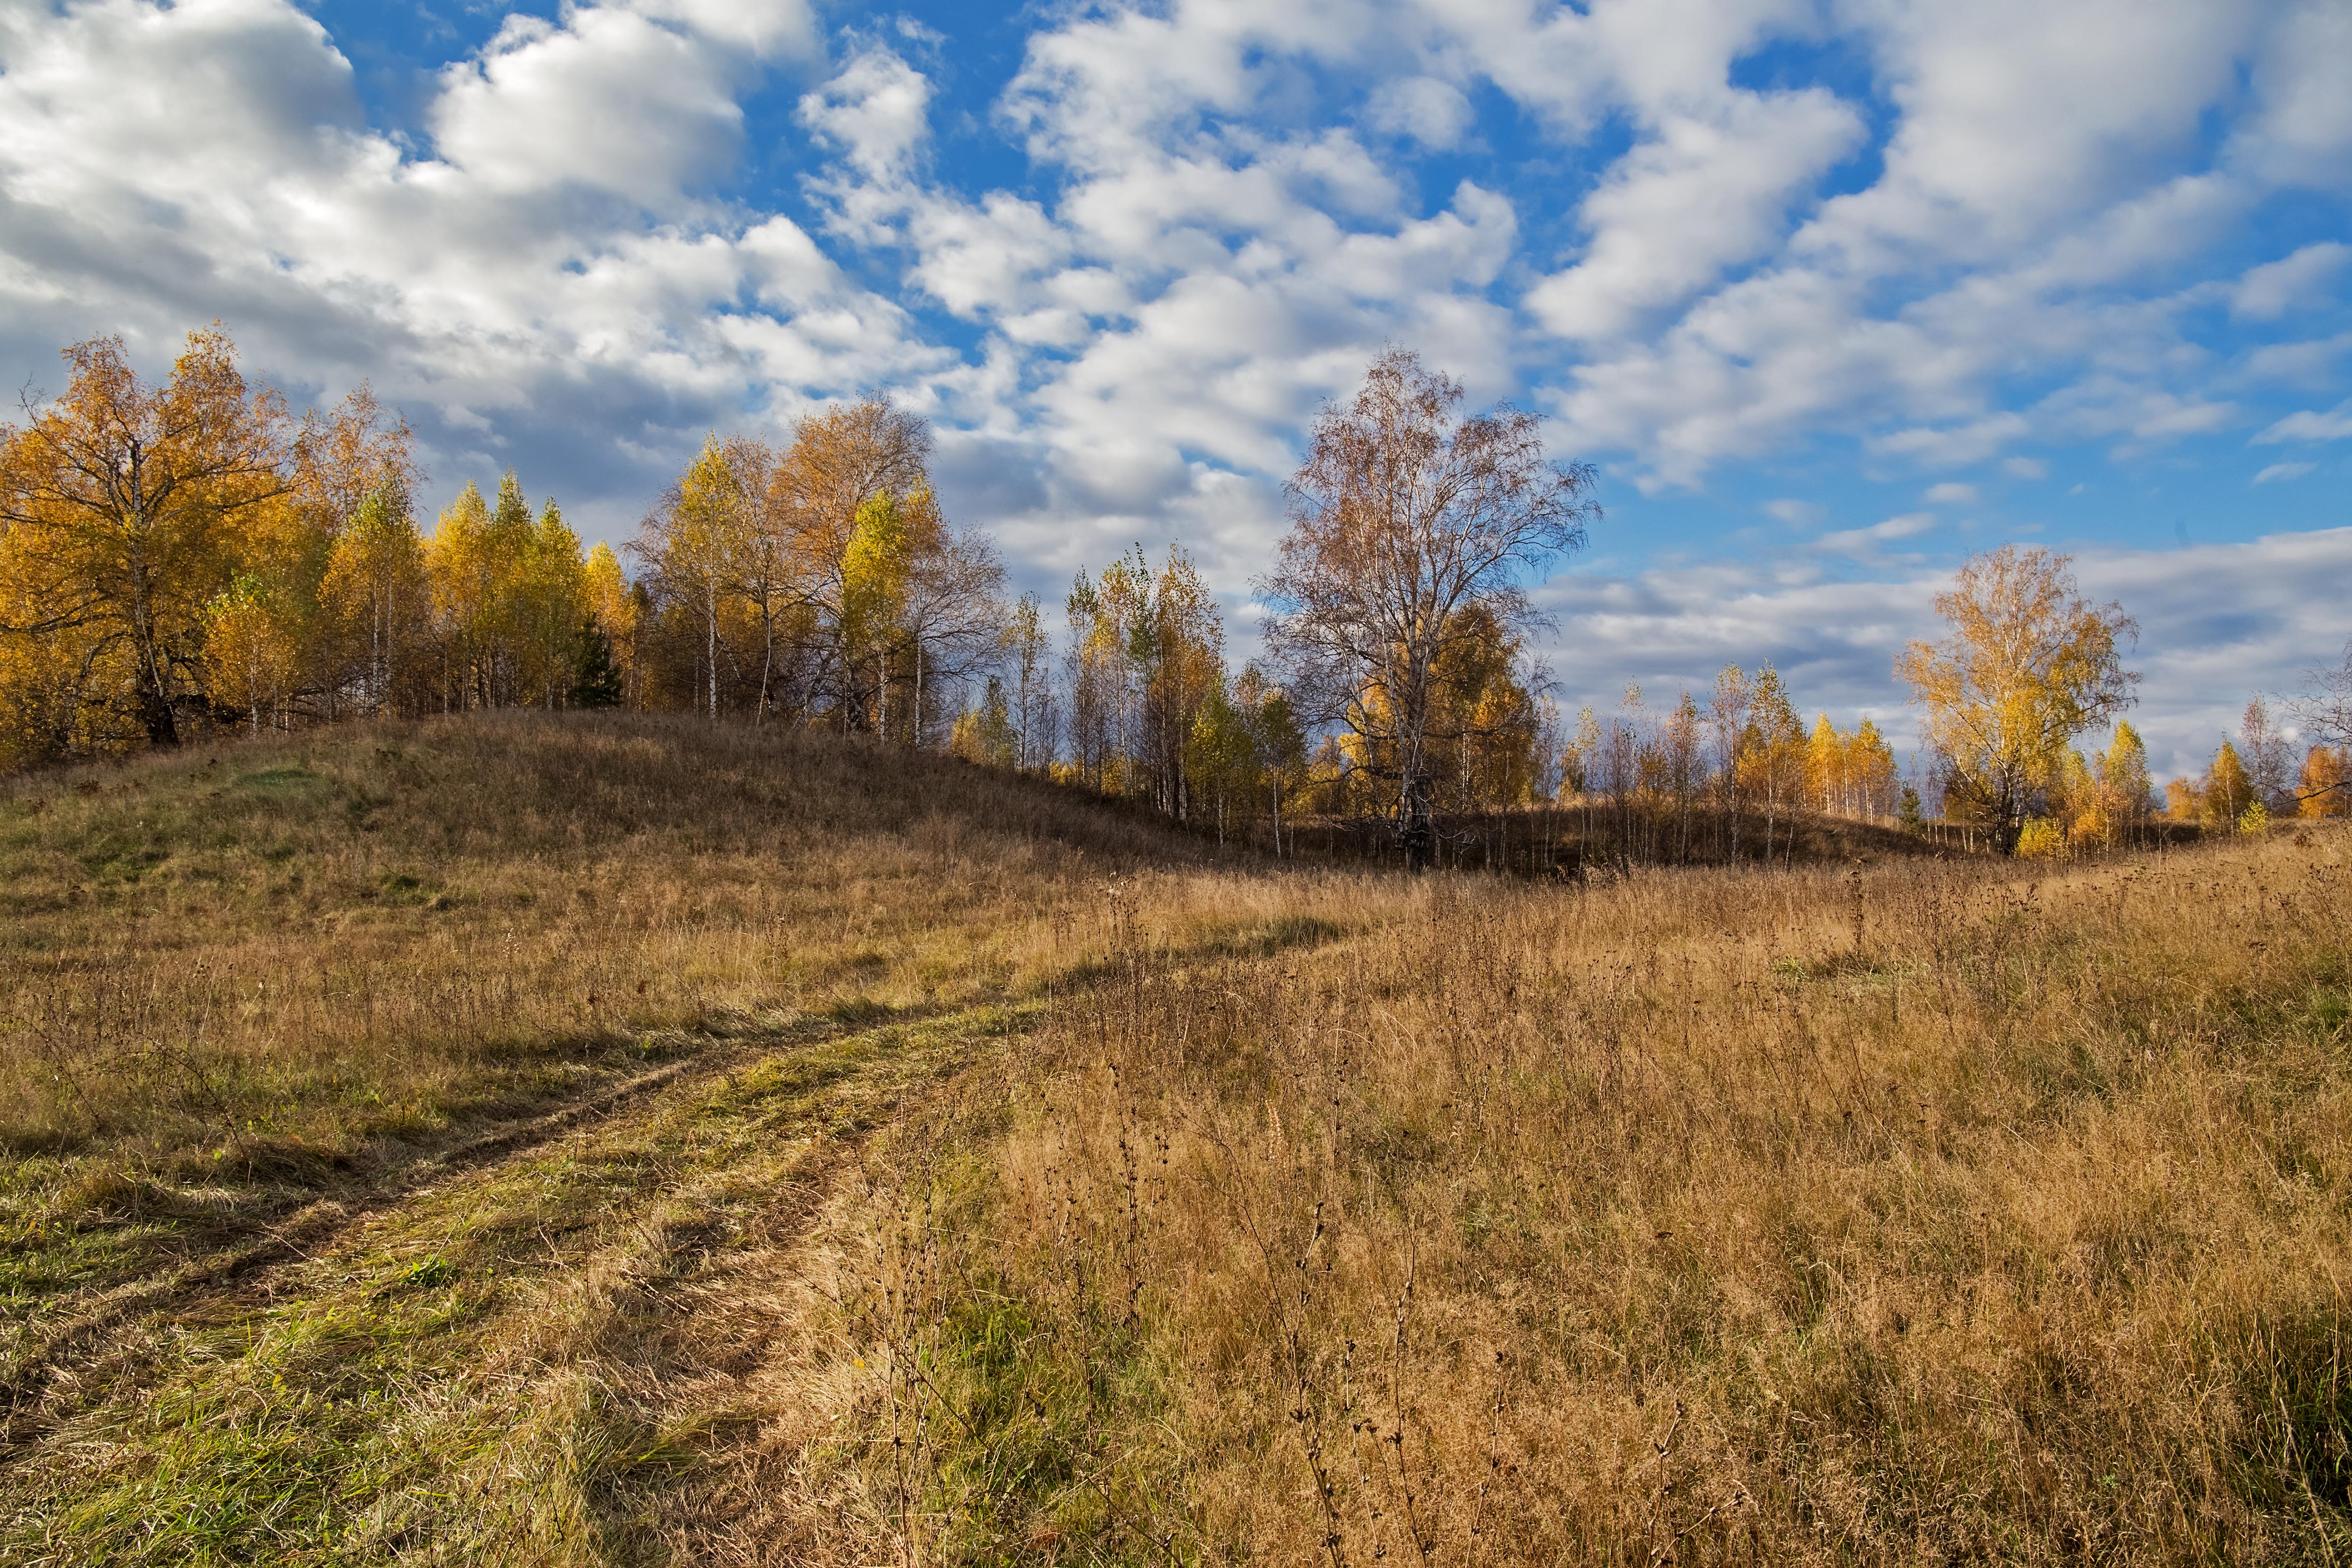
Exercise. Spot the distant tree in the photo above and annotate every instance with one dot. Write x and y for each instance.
(2263, 748)
(2124, 786)
(2227, 789)
(595, 677)
(1682, 757)
(1026, 650)
(1404, 514)
(1726, 716)
(1772, 752)
(618, 607)
(2325, 707)
(379, 598)
(2325, 788)
(1278, 745)
(2184, 801)
(1870, 771)
(2028, 665)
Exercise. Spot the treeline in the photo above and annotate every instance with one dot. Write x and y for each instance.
(188, 556)
(191, 555)
(2254, 778)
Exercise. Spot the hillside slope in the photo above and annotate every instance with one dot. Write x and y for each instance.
(620, 1140)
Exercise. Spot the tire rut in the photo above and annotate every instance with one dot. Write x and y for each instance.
(28, 1412)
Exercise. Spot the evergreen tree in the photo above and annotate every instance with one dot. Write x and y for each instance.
(595, 677)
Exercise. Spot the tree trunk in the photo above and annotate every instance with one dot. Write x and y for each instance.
(1416, 834)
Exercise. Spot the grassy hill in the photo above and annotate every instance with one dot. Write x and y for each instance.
(623, 1141)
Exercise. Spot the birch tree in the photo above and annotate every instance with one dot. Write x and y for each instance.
(1403, 514)
(2027, 665)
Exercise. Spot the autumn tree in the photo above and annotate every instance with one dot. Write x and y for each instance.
(2324, 786)
(2027, 665)
(1027, 651)
(617, 607)
(1771, 760)
(1404, 514)
(2227, 789)
(1277, 742)
(2262, 746)
(124, 504)
(1726, 719)
(378, 597)
(2123, 783)
(1097, 680)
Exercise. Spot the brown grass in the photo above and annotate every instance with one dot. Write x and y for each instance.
(1035, 1187)
(1929, 1213)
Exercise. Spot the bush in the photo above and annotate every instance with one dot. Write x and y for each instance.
(2040, 839)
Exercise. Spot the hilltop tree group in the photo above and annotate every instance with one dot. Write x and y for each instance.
(190, 554)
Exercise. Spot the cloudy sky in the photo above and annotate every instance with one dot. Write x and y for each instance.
(1833, 291)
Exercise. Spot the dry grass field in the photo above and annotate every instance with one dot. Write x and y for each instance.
(623, 1142)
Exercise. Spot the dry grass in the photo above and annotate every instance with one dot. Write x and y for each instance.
(1927, 1213)
(1033, 1187)
(240, 983)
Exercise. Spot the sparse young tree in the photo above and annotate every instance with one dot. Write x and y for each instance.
(2028, 665)
(1772, 761)
(2228, 789)
(1726, 717)
(1027, 649)
(2262, 747)
(1404, 514)
(2125, 792)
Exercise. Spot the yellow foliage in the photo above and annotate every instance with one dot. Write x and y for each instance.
(2028, 665)
(2040, 839)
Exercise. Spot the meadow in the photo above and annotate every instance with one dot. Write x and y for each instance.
(624, 1139)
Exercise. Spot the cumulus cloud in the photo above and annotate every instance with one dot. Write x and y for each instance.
(1705, 192)
(543, 273)
(1431, 112)
(1972, 232)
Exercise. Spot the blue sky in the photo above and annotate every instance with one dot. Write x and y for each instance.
(1833, 291)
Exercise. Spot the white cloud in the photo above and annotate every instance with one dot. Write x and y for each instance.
(1950, 494)
(2218, 622)
(1797, 513)
(545, 265)
(1865, 543)
(2025, 468)
(875, 114)
(2283, 471)
(2310, 362)
(2310, 426)
(2271, 290)
(1703, 194)
(1430, 112)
